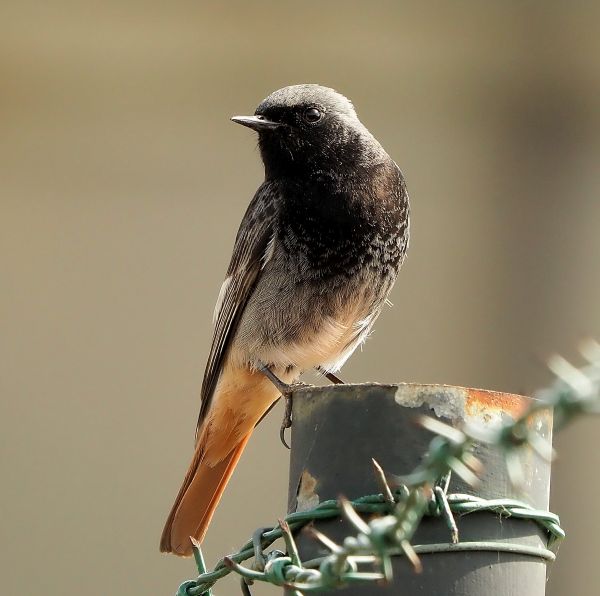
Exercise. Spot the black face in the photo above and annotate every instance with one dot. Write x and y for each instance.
(300, 117)
(304, 128)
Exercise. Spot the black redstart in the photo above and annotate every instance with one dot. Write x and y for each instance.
(315, 257)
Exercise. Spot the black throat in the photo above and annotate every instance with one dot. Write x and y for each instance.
(345, 219)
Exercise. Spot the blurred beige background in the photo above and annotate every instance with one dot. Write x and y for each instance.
(122, 184)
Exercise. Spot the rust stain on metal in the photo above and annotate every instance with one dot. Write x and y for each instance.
(485, 404)
(306, 497)
(467, 403)
(481, 401)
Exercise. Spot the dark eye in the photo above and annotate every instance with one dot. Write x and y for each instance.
(312, 115)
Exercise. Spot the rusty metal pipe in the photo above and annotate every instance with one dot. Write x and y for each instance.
(338, 429)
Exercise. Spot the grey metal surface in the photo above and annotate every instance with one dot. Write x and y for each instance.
(338, 429)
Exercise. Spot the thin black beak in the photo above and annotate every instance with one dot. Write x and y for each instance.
(258, 123)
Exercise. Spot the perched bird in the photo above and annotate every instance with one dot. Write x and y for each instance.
(315, 257)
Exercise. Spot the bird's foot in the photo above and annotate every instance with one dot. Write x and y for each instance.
(286, 389)
(287, 419)
(287, 415)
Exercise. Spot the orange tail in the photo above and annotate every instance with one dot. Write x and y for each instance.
(238, 404)
(197, 501)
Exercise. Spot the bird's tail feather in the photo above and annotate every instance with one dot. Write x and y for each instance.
(197, 499)
(241, 399)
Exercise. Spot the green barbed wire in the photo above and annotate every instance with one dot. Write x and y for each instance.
(575, 392)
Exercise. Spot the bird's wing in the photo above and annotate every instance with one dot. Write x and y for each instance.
(251, 251)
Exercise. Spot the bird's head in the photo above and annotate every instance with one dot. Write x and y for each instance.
(309, 128)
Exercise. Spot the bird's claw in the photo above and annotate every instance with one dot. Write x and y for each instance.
(287, 415)
(287, 419)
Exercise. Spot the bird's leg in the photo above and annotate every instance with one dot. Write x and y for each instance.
(286, 390)
(335, 380)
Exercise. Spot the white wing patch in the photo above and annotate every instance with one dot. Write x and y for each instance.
(220, 299)
(268, 251)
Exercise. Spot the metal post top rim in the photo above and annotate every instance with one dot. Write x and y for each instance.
(408, 386)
